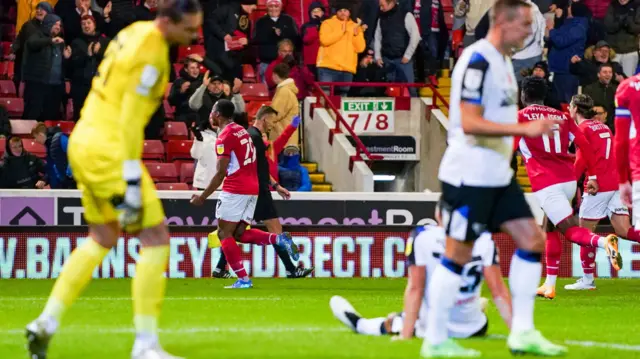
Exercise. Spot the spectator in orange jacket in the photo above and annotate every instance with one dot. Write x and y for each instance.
(341, 40)
(285, 102)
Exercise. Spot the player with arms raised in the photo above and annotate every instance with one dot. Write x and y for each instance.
(237, 166)
(628, 160)
(105, 151)
(551, 171)
(479, 192)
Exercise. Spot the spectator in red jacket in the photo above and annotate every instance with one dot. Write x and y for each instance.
(285, 48)
(310, 34)
(297, 9)
(301, 75)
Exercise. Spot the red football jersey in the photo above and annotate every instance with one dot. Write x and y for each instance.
(547, 158)
(627, 123)
(601, 141)
(242, 172)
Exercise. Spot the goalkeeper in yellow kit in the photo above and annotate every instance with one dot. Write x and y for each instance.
(105, 152)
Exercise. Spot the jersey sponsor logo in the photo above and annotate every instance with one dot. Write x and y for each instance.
(473, 79)
(148, 79)
(220, 148)
(635, 85)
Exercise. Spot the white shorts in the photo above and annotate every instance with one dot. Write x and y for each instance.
(456, 330)
(635, 198)
(556, 201)
(603, 204)
(233, 207)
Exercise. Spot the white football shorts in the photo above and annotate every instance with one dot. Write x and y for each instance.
(602, 204)
(555, 200)
(233, 207)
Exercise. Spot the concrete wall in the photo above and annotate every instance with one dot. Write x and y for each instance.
(433, 128)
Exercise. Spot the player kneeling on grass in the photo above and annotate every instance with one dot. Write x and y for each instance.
(468, 319)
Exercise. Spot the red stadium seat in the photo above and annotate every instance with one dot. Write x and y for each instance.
(185, 51)
(177, 68)
(249, 74)
(179, 150)
(34, 148)
(8, 89)
(3, 144)
(6, 69)
(186, 172)
(200, 36)
(153, 150)
(168, 90)
(252, 107)
(174, 130)
(15, 106)
(169, 110)
(22, 128)
(162, 172)
(6, 48)
(172, 187)
(255, 92)
(65, 126)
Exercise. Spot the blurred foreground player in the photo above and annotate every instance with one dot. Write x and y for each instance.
(479, 192)
(237, 166)
(424, 247)
(550, 168)
(105, 149)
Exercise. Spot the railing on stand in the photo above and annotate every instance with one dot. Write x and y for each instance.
(342, 123)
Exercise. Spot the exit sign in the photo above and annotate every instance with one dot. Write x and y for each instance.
(369, 116)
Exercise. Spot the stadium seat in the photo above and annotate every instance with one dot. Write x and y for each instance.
(172, 186)
(255, 92)
(162, 172)
(169, 110)
(8, 32)
(6, 69)
(179, 150)
(69, 110)
(34, 148)
(185, 51)
(22, 128)
(6, 48)
(14, 105)
(153, 150)
(8, 89)
(186, 172)
(175, 130)
(200, 39)
(249, 74)
(65, 126)
(3, 144)
(168, 90)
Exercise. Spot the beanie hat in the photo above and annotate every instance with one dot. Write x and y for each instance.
(45, 6)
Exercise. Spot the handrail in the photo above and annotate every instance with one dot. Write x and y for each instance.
(360, 147)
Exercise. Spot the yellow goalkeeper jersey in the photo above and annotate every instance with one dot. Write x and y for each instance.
(125, 93)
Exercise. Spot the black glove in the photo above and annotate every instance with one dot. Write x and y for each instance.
(196, 133)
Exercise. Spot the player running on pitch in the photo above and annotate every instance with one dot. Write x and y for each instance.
(424, 247)
(237, 203)
(105, 151)
(550, 168)
(479, 192)
(607, 201)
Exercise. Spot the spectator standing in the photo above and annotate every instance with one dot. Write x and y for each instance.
(5, 122)
(531, 51)
(477, 21)
(369, 11)
(43, 71)
(541, 70)
(26, 11)
(86, 53)
(285, 48)
(599, 11)
(226, 32)
(203, 151)
(310, 34)
(429, 16)
(31, 27)
(396, 39)
(72, 18)
(341, 40)
(368, 71)
(21, 169)
(118, 14)
(567, 41)
(146, 11)
(270, 29)
(56, 142)
(298, 9)
(622, 24)
(285, 102)
(603, 91)
(205, 96)
(302, 77)
(293, 176)
(587, 69)
(183, 88)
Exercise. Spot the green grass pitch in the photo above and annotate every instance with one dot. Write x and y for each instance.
(283, 318)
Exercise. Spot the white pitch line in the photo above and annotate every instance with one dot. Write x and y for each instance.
(586, 344)
(20, 299)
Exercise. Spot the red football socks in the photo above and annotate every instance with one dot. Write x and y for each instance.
(553, 252)
(256, 236)
(588, 260)
(582, 236)
(232, 253)
(633, 235)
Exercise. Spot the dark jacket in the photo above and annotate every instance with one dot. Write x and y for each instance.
(71, 21)
(395, 37)
(31, 27)
(21, 172)
(622, 25)
(565, 42)
(122, 15)
(603, 95)
(371, 73)
(310, 35)
(208, 100)
(587, 68)
(425, 27)
(368, 12)
(5, 122)
(265, 37)
(181, 100)
(58, 170)
(83, 66)
(143, 13)
(39, 54)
